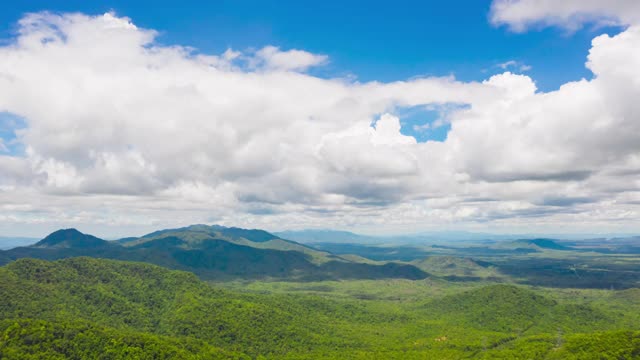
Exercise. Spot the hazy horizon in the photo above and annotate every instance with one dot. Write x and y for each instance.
(451, 234)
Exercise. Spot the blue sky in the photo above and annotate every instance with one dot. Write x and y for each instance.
(368, 116)
(373, 40)
(9, 125)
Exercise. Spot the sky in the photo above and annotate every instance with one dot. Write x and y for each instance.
(506, 116)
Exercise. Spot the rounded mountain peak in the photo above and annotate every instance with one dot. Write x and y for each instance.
(67, 238)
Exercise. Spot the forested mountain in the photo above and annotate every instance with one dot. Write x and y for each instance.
(70, 239)
(87, 308)
(215, 252)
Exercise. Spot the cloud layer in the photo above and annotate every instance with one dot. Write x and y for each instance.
(120, 130)
(570, 14)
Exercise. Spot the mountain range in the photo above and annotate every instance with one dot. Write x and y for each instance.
(318, 236)
(215, 253)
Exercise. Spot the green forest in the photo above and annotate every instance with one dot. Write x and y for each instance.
(87, 308)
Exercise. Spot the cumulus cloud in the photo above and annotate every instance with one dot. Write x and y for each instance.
(571, 14)
(120, 130)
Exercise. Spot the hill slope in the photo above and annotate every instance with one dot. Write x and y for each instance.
(456, 267)
(214, 252)
(142, 297)
(40, 339)
(510, 308)
(93, 308)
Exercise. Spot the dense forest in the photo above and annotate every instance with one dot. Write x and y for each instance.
(81, 308)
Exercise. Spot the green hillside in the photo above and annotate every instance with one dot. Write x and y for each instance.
(94, 308)
(509, 308)
(39, 339)
(146, 298)
(456, 266)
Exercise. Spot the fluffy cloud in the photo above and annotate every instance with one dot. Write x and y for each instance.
(570, 14)
(119, 130)
(272, 58)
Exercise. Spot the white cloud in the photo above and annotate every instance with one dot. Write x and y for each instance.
(122, 131)
(513, 64)
(571, 14)
(375, 152)
(272, 58)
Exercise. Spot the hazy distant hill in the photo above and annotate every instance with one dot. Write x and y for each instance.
(215, 252)
(313, 236)
(7, 243)
(329, 236)
(543, 244)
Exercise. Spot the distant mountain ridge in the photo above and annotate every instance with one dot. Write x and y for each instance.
(314, 236)
(545, 244)
(215, 252)
(329, 236)
(234, 233)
